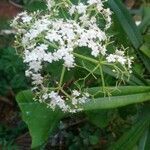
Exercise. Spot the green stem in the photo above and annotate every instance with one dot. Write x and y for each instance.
(62, 76)
(102, 78)
(66, 94)
(91, 72)
(76, 17)
(69, 2)
(86, 58)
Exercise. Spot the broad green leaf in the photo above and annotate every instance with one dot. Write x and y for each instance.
(130, 138)
(119, 100)
(146, 19)
(41, 120)
(126, 21)
(121, 90)
(119, 32)
(145, 60)
(143, 140)
(147, 144)
(146, 50)
(116, 101)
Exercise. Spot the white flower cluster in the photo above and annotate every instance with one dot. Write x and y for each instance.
(96, 5)
(25, 18)
(47, 39)
(64, 36)
(72, 104)
(119, 56)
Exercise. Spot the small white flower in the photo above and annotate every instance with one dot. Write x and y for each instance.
(26, 19)
(75, 93)
(87, 95)
(74, 101)
(72, 10)
(100, 6)
(91, 2)
(37, 79)
(42, 47)
(48, 57)
(35, 65)
(28, 73)
(111, 58)
(121, 60)
(120, 53)
(137, 23)
(69, 60)
(81, 8)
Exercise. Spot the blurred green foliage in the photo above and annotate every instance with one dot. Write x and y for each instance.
(11, 71)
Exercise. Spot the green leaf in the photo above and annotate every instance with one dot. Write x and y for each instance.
(41, 120)
(143, 140)
(130, 138)
(147, 144)
(146, 19)
(120, 99)
(127, 22)
(121, 90)
(145, 60)
(146, 50)
(35, 5)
